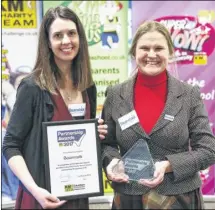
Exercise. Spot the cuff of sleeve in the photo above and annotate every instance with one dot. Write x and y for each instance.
(182, 166)
(9, 153)
(108, 159)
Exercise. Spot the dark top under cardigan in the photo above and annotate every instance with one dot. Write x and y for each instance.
(24, 132)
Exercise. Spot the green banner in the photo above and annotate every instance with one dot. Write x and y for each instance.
(106, 27)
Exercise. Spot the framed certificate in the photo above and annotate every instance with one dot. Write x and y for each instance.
(72, 159)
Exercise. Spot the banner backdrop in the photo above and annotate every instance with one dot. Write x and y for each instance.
(106, 28)
(192, 27)
(20, 24)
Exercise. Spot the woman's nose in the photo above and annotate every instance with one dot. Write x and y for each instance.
(151, 53)
(65, 39)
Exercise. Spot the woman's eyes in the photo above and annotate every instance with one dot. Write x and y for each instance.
(158, 49)
(144, 48)
(58, 35)
(155, 49)
(69, 34)
(72, 33)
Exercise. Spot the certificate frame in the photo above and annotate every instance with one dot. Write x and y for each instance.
(60, 168)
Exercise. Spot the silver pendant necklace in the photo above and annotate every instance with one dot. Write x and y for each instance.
(68, 96)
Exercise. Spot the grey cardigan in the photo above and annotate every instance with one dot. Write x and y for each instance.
(168, 139)
(24, 132)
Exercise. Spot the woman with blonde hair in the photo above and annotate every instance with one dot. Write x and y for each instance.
(170, 116)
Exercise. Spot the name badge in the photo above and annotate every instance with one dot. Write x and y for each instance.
(128, 120)
(77, 110)
(168, 117)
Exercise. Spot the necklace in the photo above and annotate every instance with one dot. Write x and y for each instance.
(69, 98)
(68, 95)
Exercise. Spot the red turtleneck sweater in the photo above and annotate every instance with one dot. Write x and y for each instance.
(149, 98)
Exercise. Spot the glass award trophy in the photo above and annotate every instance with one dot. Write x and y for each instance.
(137, 163)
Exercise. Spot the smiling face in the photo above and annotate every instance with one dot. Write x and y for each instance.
(152, 53)
(64, 39)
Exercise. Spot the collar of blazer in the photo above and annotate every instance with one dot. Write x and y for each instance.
(172, 107)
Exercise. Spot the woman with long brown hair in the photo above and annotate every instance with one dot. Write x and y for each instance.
(61, 77)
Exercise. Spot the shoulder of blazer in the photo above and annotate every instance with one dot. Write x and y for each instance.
(181, 87)
(117, 89)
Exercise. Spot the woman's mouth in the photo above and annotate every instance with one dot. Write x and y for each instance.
(69, 49)
(153, 63)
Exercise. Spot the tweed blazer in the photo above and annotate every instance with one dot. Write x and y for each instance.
(186, 141)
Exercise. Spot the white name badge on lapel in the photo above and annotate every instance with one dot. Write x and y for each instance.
(128, 120)
(168, 117)
(77, 110)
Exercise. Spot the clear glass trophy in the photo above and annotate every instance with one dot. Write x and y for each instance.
(137, 163)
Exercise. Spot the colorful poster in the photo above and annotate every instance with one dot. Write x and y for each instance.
(105, 24)
(106, 28)
(192, 28)
(20, 25)
(19, 14)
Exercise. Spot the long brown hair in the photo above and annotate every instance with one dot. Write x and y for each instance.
(45, 70)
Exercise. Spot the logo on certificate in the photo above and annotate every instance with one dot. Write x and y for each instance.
(68, 188)
(74, 187)
(70, 137)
